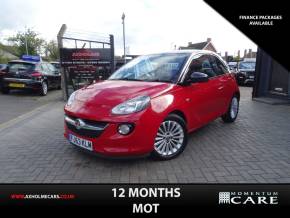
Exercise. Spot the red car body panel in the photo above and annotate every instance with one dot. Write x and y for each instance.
(199, 103)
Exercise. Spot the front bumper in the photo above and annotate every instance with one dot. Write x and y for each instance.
(22, 83)
(244, 79)
(108, 142)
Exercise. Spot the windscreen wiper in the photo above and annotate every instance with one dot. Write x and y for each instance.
(127, 79)
(159, 80)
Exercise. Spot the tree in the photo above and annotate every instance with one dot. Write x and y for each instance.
(34, 42)
(51, 50)
(7, 53)
(3, 59)
(237, 58)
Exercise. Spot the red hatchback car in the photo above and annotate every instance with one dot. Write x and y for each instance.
(150, 104)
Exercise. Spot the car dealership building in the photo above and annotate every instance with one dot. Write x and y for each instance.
(272, 79)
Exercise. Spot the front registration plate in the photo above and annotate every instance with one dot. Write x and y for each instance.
(80, 142)
(16, 85)
(251, 77)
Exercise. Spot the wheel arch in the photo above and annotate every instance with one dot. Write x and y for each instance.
(179, 113)
(45, 80)
(237, 93)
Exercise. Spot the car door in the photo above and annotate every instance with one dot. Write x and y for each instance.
(56, 75)
(223, 82)
(48, 75)
(202, 96)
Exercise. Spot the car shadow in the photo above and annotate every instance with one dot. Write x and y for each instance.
(126, 160)
(247, 85)
(23, 93)
(109, 159)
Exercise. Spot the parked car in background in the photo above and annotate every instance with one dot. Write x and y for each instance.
(2, 67)
(151, 103)
(2, 72)
(55, 64)
(30, 73)
(233, 66)
(245, 73)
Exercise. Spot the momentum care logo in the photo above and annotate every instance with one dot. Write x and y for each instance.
(248, 198)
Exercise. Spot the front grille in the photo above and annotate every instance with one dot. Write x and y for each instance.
(250, 73)
(87, 132)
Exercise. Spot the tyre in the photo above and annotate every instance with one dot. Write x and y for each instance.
(171, 138)
(44, 88)
(5, 90)
(233, 111)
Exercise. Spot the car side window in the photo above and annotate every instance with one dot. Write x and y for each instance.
(51, 68)
(44, 68)
(47, 69)
(202, 64)
(218, 66)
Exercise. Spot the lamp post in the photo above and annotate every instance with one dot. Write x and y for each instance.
(26, 46)
(124, 44)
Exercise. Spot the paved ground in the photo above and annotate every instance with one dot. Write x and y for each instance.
(19, 102)
(254, 149)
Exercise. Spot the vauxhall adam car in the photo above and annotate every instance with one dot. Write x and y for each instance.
(150, 104)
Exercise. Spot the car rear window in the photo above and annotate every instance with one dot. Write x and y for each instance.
(16, 66)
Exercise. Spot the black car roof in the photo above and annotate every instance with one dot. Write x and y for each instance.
(28, 62)
(21, 61)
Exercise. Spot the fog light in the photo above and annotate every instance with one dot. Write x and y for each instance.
(125, 129)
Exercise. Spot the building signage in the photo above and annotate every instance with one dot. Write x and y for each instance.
(248, 197)
(84, 66)
(71, 57)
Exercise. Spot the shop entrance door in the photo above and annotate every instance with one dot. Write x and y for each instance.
(279, 80)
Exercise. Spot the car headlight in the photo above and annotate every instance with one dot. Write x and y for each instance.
(131, 106)
(71, 99)
(244, 73)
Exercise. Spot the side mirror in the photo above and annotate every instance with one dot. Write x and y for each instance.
(198, 77)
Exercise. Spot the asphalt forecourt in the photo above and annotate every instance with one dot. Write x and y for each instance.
(34, 150)
(20, 102)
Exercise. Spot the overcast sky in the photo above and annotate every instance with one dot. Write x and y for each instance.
(151, 25)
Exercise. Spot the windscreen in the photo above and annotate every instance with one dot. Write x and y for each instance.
(247, 65)
(153, 68)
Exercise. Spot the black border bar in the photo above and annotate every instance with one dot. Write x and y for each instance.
(101, 196)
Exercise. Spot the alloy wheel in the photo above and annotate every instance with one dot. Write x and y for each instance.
(44, 88)
(234, 107)
(169, 139)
